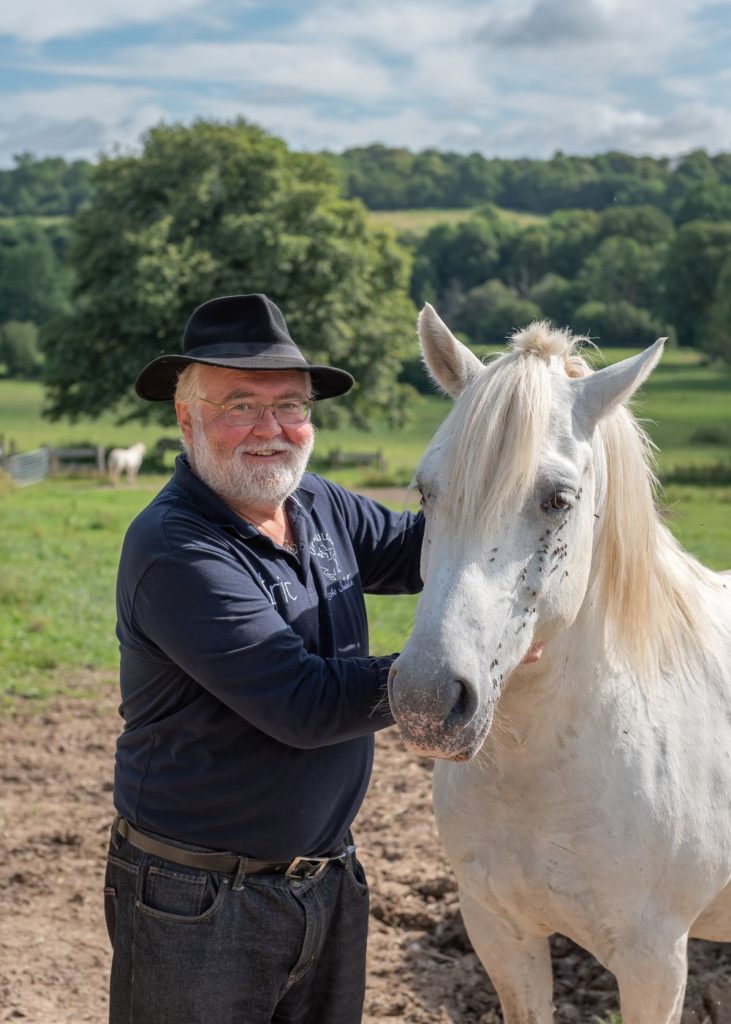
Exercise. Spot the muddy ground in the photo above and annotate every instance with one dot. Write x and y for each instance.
(55, 811)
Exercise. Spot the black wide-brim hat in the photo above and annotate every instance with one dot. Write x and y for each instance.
(240, 332)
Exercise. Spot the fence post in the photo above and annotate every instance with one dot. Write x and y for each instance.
(100, 460)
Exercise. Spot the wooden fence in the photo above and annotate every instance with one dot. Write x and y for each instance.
(30, 467)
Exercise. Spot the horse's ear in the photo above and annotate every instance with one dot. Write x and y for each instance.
(450, 363)
(600, 393)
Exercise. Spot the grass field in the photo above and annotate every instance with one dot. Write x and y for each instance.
(687, 404)
(60, 540)
(417, 223)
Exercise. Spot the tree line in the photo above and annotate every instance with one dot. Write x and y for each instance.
(387, 178)
(624, 276)
(390, 179)
(101, 264)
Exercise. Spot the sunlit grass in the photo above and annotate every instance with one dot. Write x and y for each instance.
(60, 540)
(418, 223)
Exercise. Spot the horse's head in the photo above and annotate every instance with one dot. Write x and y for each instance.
(508, 488)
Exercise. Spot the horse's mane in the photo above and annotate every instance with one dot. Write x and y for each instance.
(652, 593)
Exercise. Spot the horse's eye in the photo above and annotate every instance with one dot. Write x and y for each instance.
(557, 503)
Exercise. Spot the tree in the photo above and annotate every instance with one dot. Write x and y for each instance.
(617, 323)
(493, 311)
(692, 170)
(646, 224)
(716, 339)
(692, 268)
(467, 253)
(219, 209)
(527, 259)
(572, 236)
(622, 268)
(556, 297)
(33, 283)
(19, 349)
(43, 187)
(709, 200)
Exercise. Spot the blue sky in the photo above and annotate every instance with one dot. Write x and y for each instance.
(506, 78)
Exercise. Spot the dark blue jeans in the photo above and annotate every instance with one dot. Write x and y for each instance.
(194, 947)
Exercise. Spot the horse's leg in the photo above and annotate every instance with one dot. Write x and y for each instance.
(519, 964)
(652, 980)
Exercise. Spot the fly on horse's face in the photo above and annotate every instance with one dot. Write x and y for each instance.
(508, 490)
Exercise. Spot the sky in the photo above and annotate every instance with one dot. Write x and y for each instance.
(508, 78)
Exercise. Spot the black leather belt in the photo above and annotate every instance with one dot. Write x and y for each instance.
(226, 863)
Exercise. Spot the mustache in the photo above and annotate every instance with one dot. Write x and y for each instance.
(251, 448)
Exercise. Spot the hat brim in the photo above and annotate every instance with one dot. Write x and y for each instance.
(158, 380)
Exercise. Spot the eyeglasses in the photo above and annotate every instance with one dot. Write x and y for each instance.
(289, 413)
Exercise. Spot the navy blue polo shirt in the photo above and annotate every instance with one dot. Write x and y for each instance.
(248, 695)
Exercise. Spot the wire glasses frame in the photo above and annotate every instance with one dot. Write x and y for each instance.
(288, 413)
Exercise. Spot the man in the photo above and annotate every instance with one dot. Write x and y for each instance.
(233, 893)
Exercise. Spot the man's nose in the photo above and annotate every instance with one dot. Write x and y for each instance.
(268, 425)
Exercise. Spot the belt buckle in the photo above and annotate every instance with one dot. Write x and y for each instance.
(313, 866)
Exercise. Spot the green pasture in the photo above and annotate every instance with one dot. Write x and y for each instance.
(59, 545)
(60, 539)
(686, 406)
(22, 421)
(418, 223)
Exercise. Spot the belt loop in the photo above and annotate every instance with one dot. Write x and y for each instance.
(114, 833)
(240, 879)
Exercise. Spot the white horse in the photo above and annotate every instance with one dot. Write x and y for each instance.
(125, 460)
(560, 611)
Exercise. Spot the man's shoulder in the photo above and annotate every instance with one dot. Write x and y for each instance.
(318, 485)
(322, 485)
(168, 520)
(322, 492)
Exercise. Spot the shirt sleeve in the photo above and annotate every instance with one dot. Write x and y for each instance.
(387, 544)
(197, 606)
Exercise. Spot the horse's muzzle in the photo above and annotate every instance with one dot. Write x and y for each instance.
(438, 718)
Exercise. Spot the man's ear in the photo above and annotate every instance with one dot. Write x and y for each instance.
(185, 420)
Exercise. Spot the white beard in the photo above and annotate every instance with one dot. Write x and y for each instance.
(237, 483)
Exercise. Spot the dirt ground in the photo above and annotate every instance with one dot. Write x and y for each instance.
(55, 811)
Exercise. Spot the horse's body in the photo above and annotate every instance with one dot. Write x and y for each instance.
(587, 792)
(125, 460)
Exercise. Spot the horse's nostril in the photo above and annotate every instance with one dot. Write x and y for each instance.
(461, 703)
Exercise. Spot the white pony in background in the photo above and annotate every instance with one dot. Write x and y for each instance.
(570, 666)
(125, 460)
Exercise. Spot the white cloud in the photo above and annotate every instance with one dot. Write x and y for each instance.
(405, 28)
(305, 130)
(524, 77)
(78, 122)
(37, 21)
(305, 69)
(595, 128)
(593, 40)
(547, 23)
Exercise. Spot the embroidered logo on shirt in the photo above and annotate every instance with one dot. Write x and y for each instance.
(323, 549)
